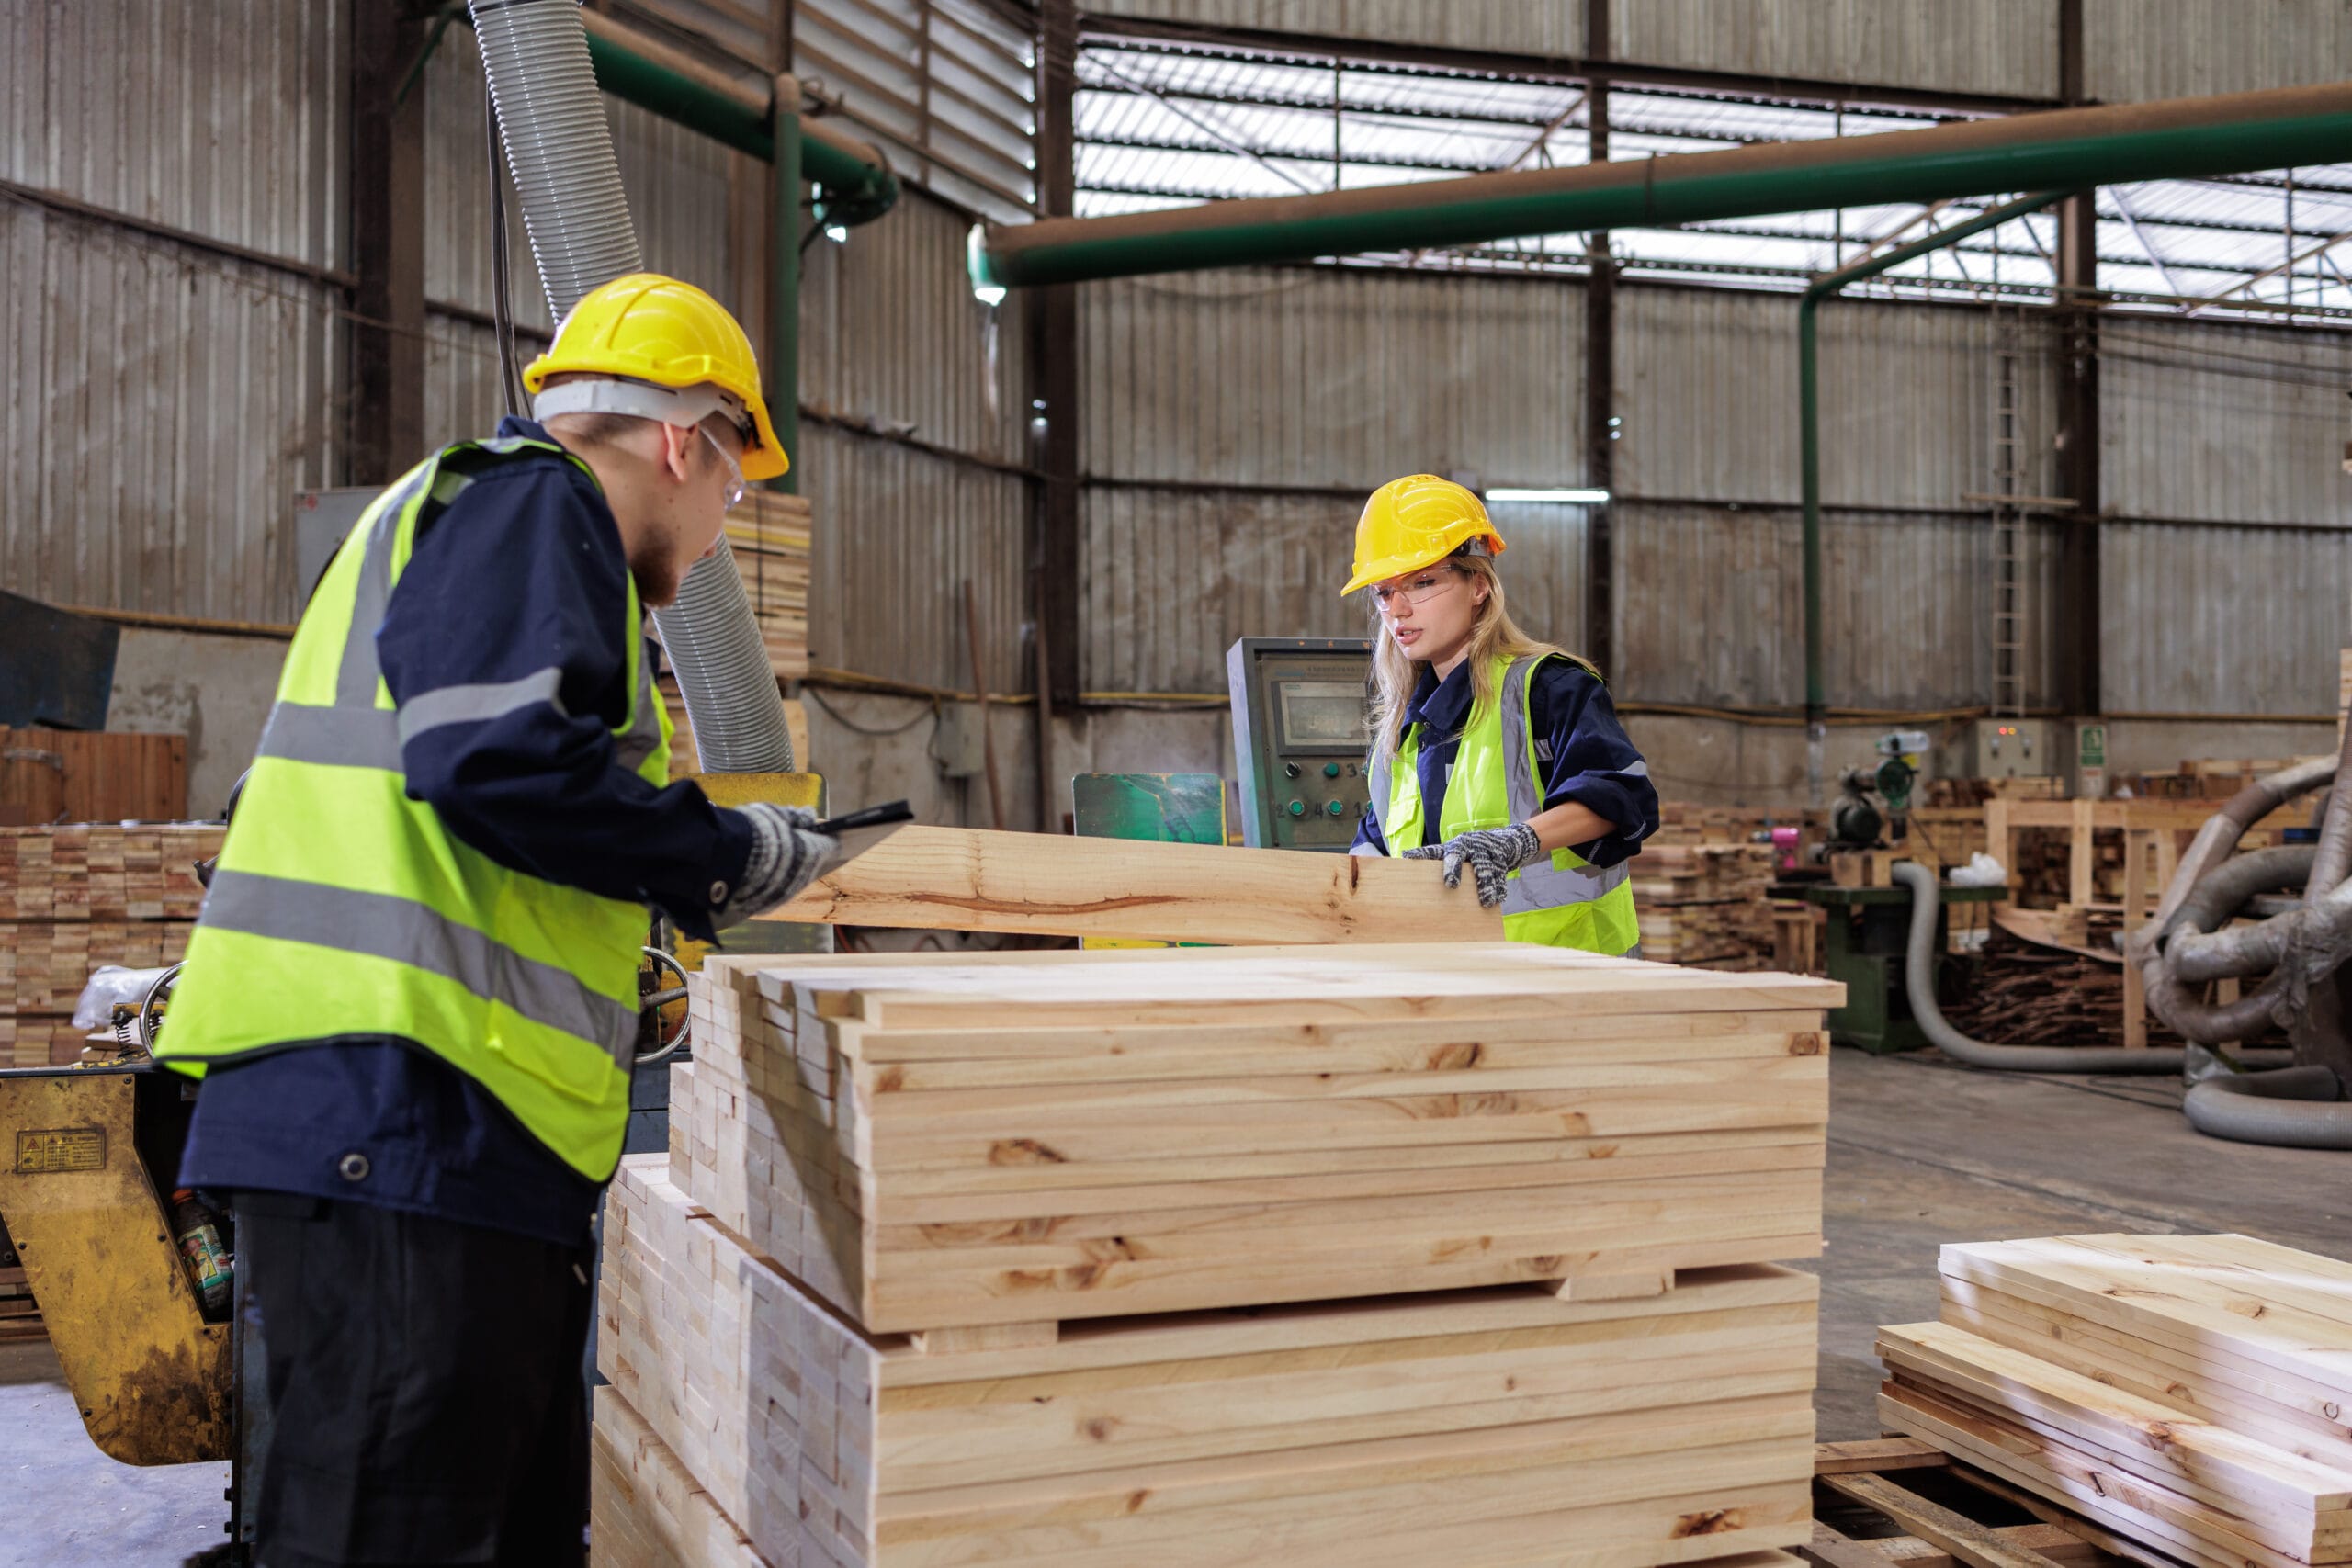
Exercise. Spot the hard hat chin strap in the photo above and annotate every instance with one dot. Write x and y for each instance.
(685, 407)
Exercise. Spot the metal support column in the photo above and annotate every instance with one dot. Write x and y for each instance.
(387, 244)
(783, 282)
(2073, 618)
(1053, 325)
(1599, 381)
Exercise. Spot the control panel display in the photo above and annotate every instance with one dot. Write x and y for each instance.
(1321, 714)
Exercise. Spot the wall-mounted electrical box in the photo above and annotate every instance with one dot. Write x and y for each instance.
(1298, 738)
(2015, 749)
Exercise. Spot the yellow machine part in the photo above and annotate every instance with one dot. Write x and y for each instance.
(150, 1376)
(742, 789)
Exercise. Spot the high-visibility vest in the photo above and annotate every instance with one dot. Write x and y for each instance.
(1568, 902)
(341, 908)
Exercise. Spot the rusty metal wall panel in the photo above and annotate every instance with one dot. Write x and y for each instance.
(2004, 47)
(225, 118)
(1172, 578)
(2224, 423)
(2138, 50)
(2221, 620)
(898, 532)
(1333, 377)
(1707, 380)
(1512, 26)
(1711, 606)
(890, 332)
(161, 406)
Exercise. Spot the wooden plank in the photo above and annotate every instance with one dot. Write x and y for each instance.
(1876, 1455)
(1970, 1543)
(971, 879)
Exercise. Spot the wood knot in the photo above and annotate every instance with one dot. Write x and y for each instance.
(1100, 1428)
(1712, 1521)
(1454, 1058)
(1022, 1151)
(889, 1079)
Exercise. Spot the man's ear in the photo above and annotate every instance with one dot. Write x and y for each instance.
(677, 452)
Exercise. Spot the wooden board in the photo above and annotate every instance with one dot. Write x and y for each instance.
(1496, 1428)
(930, 1143)
(93, 776)
(972, 879)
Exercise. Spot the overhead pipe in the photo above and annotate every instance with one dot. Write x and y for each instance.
(2057, 150)
(1816, 700)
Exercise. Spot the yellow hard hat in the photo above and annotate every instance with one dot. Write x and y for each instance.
(1414, 521)
(650, 332)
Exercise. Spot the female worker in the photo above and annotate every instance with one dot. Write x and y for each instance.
(1490, 748)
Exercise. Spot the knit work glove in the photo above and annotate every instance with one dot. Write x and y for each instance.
(1492, 854)
(785, 857)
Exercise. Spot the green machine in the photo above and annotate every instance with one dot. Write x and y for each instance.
(1298, 739)
(1863, 948)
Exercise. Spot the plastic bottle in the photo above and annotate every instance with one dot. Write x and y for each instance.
(209, 1266)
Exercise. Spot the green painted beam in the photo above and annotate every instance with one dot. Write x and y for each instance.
(2063, 149)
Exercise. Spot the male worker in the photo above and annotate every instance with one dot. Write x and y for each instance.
(411, 995)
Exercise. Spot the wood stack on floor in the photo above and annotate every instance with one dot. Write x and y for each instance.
(944, 1264)
(769, 533)
(2186, 1393)
(1705, 904)
(75, 897)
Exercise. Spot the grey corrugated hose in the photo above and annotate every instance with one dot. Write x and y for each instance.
(551, 121)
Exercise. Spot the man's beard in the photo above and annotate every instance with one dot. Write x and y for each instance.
(652, 564)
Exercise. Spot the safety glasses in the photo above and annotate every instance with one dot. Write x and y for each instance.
(1418, 589)
(734, 469)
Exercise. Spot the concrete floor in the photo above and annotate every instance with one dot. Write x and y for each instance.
(1921, 1153)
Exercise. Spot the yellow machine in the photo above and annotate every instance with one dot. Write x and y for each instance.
(88, 1158)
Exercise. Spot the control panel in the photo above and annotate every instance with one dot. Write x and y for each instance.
(1298, 738)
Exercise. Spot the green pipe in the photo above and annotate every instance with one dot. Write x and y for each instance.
(2063, 149)
(1816, 700)
(783, 298)
(855, 190)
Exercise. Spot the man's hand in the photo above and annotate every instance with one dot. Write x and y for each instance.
(786, 856)
(1493, 853)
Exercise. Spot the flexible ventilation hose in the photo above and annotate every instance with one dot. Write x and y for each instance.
(1919, 979)
(560, 151)
(2298, 1108)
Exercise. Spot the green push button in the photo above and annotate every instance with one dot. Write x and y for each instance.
(1331, 770)
(1337, 808)
(1298, 808)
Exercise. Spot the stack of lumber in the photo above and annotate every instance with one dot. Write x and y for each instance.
(1194, 1256)
(2185, 1393)
(19, 1314)
(2214, 779)
(1682, 822)
(1705, 904)
(75, 897)
(769, 533)
(1956, 792)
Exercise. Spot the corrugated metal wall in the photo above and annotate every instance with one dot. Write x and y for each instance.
(891, 338)
(2223, 620)
(1515, 26)
(2225, 425)
(163, 403)
(2137, 50)
(1307, 378)
(2006, 46)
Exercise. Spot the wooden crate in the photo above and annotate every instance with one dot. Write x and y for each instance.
(930, 1142)
(93, 776)
(1487, 1427)
(2183, 1391)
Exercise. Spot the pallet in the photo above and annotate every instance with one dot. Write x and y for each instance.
(930, 1142)
(1900, 1502)
(1494, 1428)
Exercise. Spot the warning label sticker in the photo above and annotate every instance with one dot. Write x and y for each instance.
(51, 1151)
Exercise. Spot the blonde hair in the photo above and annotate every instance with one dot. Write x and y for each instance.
(1493, 636)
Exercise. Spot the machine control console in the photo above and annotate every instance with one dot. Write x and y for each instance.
(1298, 739)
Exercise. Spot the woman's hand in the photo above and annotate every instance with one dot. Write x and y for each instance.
(1492, 853)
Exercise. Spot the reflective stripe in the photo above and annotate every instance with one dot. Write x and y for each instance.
(1521, 796)
(382, 926)
(1548, 887)
(355, 676)
(474, 704)
(340, 738)
(644, 734)
(1380, 784)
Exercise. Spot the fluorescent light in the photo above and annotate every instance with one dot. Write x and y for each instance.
(1564, 497)
(837, 233)
(988, 293)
